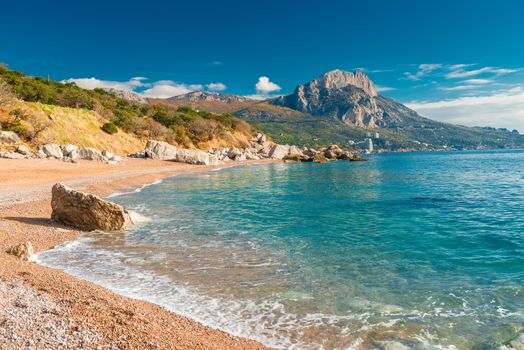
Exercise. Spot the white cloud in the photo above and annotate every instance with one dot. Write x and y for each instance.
(458, 87)
(477, 81)
(381, 88)
(167, 88)
(502, 110)
(461, 73)
(216, 86)
(423, 69)
(265, 86)
(93, 83)
(157, 89)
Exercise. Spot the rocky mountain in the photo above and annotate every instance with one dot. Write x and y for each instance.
(126, 95)
(208, 101)
(346, 108)
(350, 97)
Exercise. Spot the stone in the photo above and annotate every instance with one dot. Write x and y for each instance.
(234, 152)
(160, 150)
(70, 151)
(91, 154)
(195, 156)
(40, 154)
(107, 154)
(9, 137)
(295, 154)
(117, 159)
(52, 150)
(22, 251)
(11, 155)
(320, 158)
(278, 151)
(87, 211)
(164, 151)
(23, 150)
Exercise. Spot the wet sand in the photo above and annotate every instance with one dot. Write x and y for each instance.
(44, 308)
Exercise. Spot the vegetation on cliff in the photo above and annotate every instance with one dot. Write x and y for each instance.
(177, 125)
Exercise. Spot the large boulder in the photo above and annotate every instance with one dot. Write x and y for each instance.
(195, 156)
(23, 150)
(164, 151)
(90, 154)
(279, 151)
(22, 251)
(11, 155)
(160, 150)
(295, 154)
(70, 151)
(52, 150)
(9, 137)
(86, 211)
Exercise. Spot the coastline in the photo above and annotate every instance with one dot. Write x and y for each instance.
(96, 317)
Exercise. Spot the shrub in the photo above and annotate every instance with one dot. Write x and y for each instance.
(110, 128)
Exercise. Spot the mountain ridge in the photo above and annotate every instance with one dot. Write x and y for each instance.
(346, 107)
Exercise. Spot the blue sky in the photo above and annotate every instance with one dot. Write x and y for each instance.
(458, 61)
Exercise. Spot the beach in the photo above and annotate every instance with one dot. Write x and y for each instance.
(44, 308)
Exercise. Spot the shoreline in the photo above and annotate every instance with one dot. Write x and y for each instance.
(98, 317)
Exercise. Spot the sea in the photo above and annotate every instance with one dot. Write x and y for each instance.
(404, 251)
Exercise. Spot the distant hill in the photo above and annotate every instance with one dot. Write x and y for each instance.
(208, 101)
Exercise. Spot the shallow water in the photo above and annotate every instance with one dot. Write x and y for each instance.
(423, 249)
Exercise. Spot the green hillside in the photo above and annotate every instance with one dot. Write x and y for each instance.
(177, 125)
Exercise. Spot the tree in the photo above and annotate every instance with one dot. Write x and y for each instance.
(6, 94)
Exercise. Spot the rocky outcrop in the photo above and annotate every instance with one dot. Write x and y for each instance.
(350, 97)
(160, 150)
(165, 151)
(126, 95)
(195, 156)
(22, 251)
(91, 154)
(9, 137)
(52, 151)
(259, 148)
(86, 211)
(72, 153)
(278, 151)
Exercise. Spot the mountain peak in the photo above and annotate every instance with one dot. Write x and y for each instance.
(337, 79)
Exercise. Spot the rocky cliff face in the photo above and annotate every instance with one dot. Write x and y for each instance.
(201, 96)
(347, 96)
(126, 95)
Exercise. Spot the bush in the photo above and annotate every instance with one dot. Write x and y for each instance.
(110, 128)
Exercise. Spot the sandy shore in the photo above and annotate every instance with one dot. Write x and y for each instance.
(44, 308)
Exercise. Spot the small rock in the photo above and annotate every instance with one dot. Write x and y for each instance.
(23, 150)
(22, 251)
(40, 154)
(107, 154)
(70, 151)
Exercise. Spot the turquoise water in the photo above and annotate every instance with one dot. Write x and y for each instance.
(420, 249)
